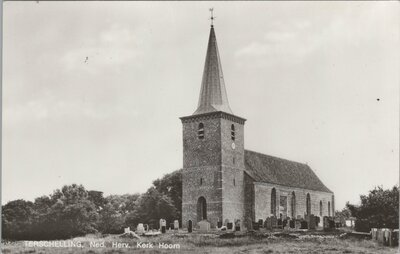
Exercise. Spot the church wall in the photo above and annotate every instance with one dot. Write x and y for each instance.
(262, 197)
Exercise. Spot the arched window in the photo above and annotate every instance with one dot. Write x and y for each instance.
(234, 182)
(320, 208)
(293, 205)
(200, 132)
(233, 132)
(308, 204)
(329, 209)
(201, 181)
(273, 202)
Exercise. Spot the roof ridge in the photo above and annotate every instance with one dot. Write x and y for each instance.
(305, 164)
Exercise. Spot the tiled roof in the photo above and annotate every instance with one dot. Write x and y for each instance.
(213, 93)
(270, 169)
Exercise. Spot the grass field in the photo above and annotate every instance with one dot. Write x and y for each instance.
(260, 242)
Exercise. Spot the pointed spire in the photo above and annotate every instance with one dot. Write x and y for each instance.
(213, 93)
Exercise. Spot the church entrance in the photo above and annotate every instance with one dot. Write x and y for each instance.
(201, 209)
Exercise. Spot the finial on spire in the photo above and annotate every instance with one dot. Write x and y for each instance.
(212, 17)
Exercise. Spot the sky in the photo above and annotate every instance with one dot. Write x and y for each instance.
(93, 91)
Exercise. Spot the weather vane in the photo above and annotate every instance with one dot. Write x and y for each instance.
(212, 17)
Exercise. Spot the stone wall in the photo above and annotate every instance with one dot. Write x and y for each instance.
(262, 197)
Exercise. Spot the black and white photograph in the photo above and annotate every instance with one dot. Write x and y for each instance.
(200, 127)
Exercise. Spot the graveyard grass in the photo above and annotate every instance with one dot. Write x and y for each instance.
(213, 243)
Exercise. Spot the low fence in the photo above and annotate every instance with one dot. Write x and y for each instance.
(385, 236)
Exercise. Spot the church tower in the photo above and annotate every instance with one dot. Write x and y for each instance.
(213, 151)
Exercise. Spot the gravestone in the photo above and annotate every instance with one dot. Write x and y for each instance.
(260, 223)
(204, 225)
(304, 224)
(127, 230)
(274, 222)
(292, 223)
(237, 225)
(286, 224)
(328, 223)
(171, 226)
(140, 229)
(146, 227)
(176, 224)
(229, 225)
(297, 224)
(256, 226)
(311, 222)
(163, 223)
(163, 229)
(268, 223)
(280, 223)
(219, 224)
(190, 226)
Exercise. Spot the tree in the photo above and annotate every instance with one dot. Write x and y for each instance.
(68, 212)
(171, 186)
(152, 206)
(17, 219)
(114, 213)
(378, 209)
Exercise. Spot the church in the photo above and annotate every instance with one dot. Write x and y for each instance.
(222, 181)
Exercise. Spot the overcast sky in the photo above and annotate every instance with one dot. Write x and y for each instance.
(93, 91)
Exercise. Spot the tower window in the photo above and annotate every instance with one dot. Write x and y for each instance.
(233, 160)
(200, 132)
(233, 132)
(201, 181)
(234, 182)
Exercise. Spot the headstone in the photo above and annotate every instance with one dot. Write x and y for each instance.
(326, 222)
(256, 226)
(311, 222)
(140, 229)
(274, 222)
(280, 223)
(204, 225)
(163, 223)
(219, 224)
(163, 229)
(297, 224)
(374, 234)
(229, 225)
(260, 223)
(268, 223)
(146, 227)
(237, 225)
(171, 226)
(190, 226)
(127, 230)
(292, 223)
(176, 224)
(304, 224)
